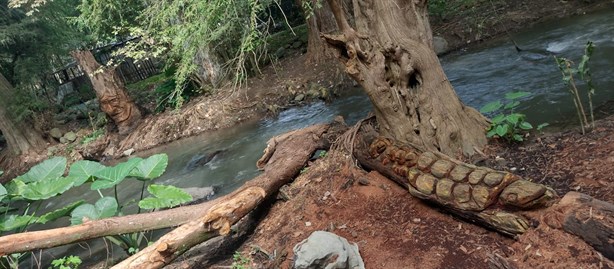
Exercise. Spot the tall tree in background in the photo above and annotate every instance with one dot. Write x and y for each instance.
(111, 92)
(387, 47)
(20, 137)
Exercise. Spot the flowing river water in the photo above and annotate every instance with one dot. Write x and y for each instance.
(479, 76)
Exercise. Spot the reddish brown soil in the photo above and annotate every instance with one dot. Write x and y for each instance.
(396, 230)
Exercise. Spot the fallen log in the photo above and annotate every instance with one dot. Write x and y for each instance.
(588, 218)
(28, 241)
(476, 194)
(289, 153)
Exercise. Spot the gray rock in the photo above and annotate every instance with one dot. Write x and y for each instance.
(55, 133)
(326, 250)
(299, 98)
(70, 136)
(297, 44)
(63, 140)
(205, 193)
(440, 45)
(128, 152)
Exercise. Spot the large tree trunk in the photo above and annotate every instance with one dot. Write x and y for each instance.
(111, 92)
(19, 137)
(319, 20)
(388, 50)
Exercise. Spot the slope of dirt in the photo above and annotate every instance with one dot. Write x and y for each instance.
(395, 230)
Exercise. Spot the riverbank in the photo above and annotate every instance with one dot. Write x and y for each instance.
(291, 82)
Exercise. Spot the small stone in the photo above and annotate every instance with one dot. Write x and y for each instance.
(55, 133)
(354, 234)
(460, 172)
(70, 136)
(299, 98)
(308, 224)
(444, 189)
(440, 45)
(128, 152)
(363, 181)
(426, 160)
(476, 176)
(63, 140)
(513, 169)
(326, 195)
(326, 250)
(493, 179)
(462, 193)
(426, 183)
(416, 220)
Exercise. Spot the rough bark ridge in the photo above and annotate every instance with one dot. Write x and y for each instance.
(111, 92)
(19, 137)
(389, 52)
(321, 21)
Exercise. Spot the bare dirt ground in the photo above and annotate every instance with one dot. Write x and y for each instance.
(395, 230)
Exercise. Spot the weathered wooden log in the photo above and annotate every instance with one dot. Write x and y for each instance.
(289, 154)
(474, 193)
(23, 242)
(588, 218)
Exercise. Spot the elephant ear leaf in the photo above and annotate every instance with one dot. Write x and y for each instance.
(12, 222)
(58, 213)
(84, 170)
(104, 208)
(41, 190)
(111, 176)
(150, 168)
(49, 169)
(164, 197)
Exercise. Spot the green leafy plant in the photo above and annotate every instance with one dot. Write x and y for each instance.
(568, 72)
(70, 262)
(92, 136)
(506, 123)
(47, 180)
(239, 261)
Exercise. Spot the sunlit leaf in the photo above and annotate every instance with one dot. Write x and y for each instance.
(526, 126)
(58, 213)
(490, 107)
(498, 119)
(84, 170)
(502, 130)
(164, 196)
(541, 126)
(42, 190)
(150, 168)
(104, 208)
(516, 95)
(517, 137)
(3, 192)
(111, 176)
(47, 170)
(511, 105)
(12, 222)
(513, 118)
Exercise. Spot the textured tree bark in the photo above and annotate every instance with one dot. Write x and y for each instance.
(111, 92)
(387, 48)
(19, 137)
(290, 153)
(319, 20)
(588, 218)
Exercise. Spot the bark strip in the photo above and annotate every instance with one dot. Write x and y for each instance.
(588, 218)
